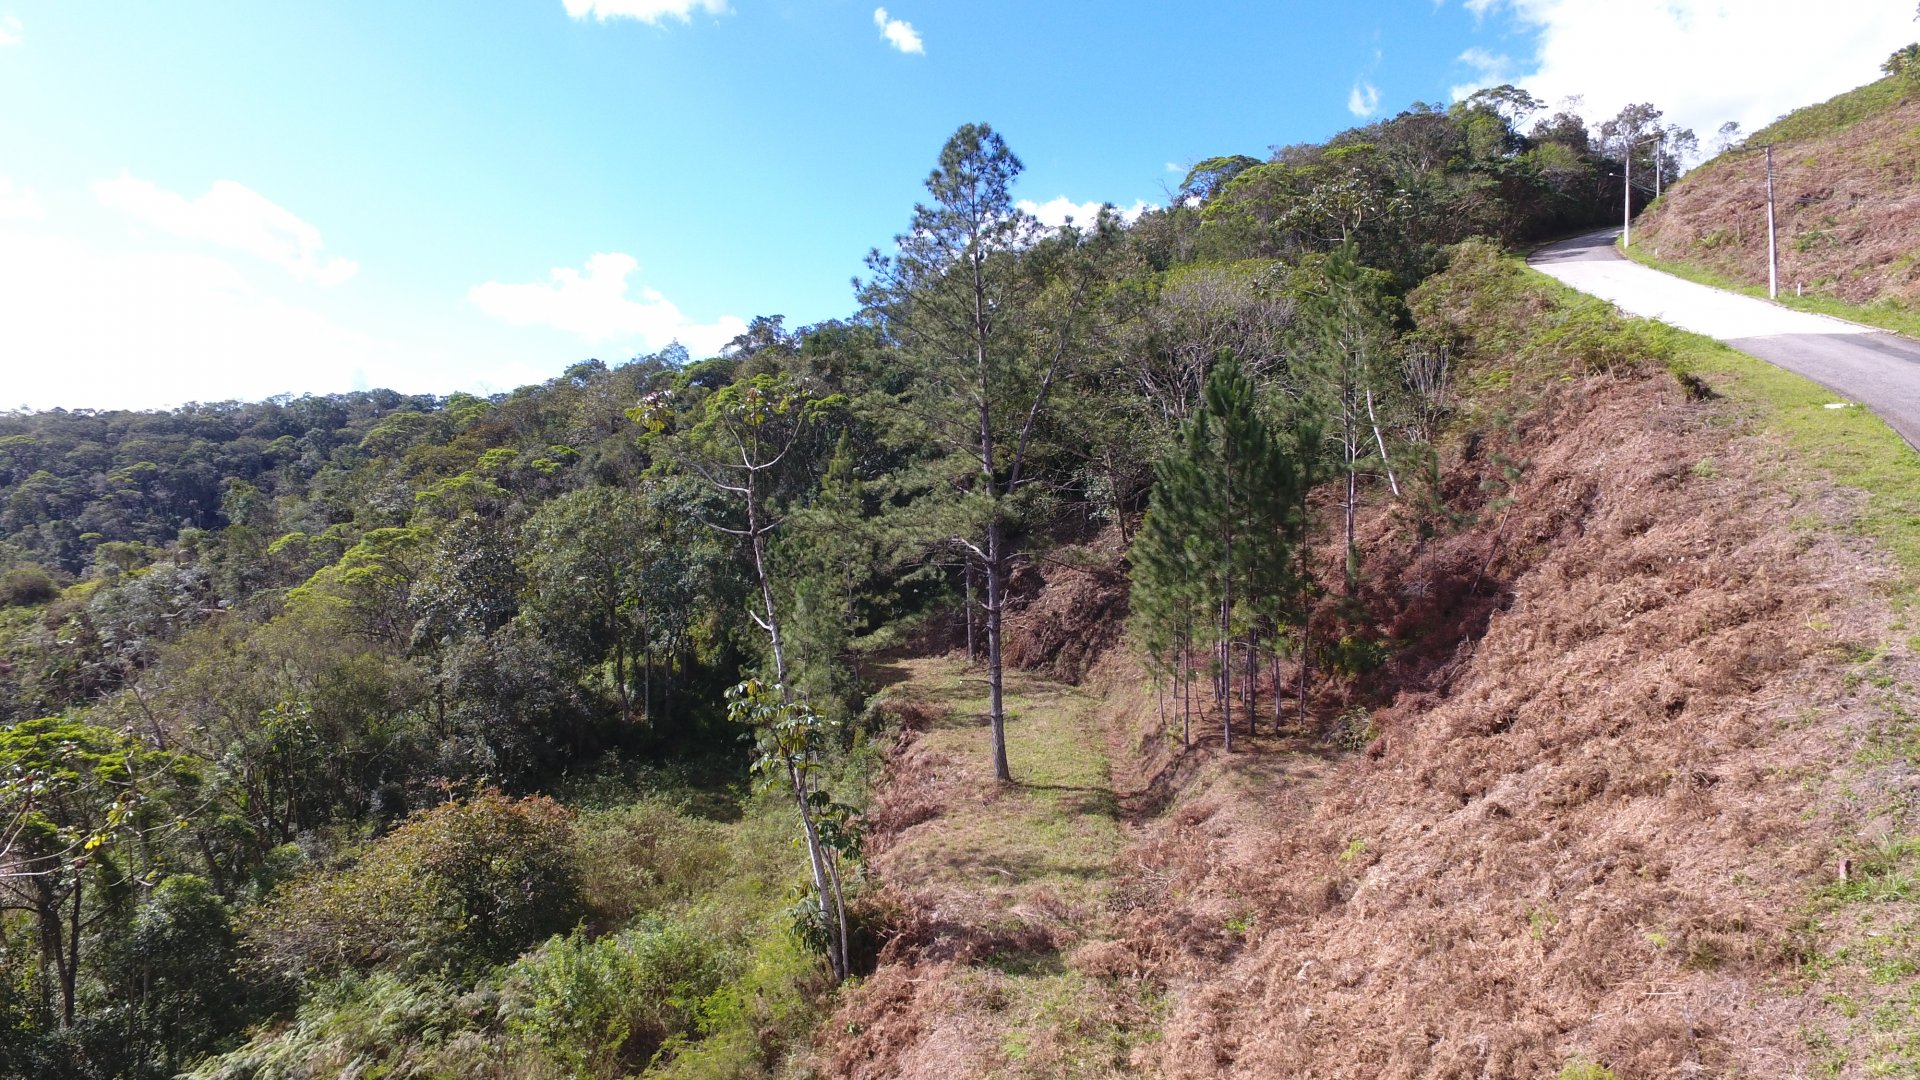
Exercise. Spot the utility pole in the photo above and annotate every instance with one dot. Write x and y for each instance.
(1626, 201)
(1659, 165)
(1773, 256)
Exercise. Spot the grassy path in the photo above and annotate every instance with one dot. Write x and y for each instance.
(1007, 886)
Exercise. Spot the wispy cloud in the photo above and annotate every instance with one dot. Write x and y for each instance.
(234, 216)
(1057, 212)
(19, 203)
(646, 11)
(1489, 69)
(10, 30)
(593, 304)
(898, 32)
(1364, 99)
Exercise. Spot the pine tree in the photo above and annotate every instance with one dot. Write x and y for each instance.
(1213, 562)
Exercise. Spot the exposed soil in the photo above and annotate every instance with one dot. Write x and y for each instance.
(1847, 213)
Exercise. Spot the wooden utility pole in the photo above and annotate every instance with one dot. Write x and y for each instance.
(1773, 256)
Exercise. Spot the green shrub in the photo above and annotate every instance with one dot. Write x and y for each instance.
(643, 856)
(457, 887)
(747, 1025)
(378, 1026)
(602, 1006)
(1582, 1069)
(26, 586)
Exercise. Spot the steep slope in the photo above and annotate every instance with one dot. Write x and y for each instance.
(1635, 787)
(1847, 193)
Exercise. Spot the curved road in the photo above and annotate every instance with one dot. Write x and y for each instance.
(1873, 367)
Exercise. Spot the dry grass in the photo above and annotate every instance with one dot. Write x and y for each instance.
(1643, 798)
(1596, 839)
(993, 893)
(1848, 214)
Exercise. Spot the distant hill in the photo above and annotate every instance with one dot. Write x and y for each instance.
(1847, 193)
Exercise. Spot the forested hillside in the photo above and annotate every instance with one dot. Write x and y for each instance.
(533, 735)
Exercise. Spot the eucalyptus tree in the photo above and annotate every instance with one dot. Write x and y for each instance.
(988, 309)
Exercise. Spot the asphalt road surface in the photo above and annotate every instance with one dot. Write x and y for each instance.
(1861, 364)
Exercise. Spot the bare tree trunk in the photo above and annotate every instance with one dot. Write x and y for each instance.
(70, 969)
(973, 647)
(1353, 498)
(620, 678)
(1382, 444)
(1278, 696)
(996, 599)
(1186, 688)
(1252, 689)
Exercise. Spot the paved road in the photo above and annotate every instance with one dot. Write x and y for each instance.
(1872, 367)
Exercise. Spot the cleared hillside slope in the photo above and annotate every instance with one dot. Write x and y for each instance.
(1847, 193)
(1636, 794)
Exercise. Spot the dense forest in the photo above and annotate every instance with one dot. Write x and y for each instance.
(406, 735)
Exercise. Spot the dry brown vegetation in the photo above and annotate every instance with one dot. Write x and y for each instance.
(1848, 213)
(1596, 834)
(1638, 797)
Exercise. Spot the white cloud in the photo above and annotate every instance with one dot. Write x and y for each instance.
(1480, 7)
(232, 216)
(1058, 211)
(1364, 99)
(646, 11)
(97, 329)
(1703, 61)
(19, 204)
(898, 32)
(594, 306)
(1489, 69)
(10, 30)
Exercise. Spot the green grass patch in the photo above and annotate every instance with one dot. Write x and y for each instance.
(1058, 826)
(1885, 314)
(1835, 114)
(1045, 844)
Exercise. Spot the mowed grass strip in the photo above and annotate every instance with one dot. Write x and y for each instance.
(1056, 827)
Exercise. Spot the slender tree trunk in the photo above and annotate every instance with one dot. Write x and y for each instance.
(1353, 498)
(973, 646)
(1186, 689)
(620, 677)
(70, 969)
(1225, 656)
(1252, 689)
(817, 860)
(1278, 696)
(996, 599)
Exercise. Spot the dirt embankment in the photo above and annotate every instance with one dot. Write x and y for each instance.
(1646, 720)
(1597, 835)
(1847, 213)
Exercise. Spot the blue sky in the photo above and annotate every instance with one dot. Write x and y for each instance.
(219, 200)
